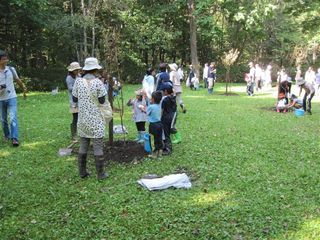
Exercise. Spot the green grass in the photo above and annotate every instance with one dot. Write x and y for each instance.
(255, 175)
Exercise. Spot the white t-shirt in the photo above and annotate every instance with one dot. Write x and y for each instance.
(6, 78)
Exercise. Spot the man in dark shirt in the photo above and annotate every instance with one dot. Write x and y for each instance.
(162, 77)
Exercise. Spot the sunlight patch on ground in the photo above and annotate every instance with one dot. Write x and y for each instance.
(308, 230)
(34, 145)
(209, 198)
(192, 96)
(4, 154)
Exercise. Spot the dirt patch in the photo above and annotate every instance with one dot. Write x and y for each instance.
(124, 152)
(121, 152)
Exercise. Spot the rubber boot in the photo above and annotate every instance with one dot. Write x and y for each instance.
(138, 136)
(82, 164)
(141, 137)
(184, 110)
(101, 174)
(73, 129)
(177, 138)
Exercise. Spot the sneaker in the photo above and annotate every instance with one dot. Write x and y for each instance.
(15, 143)
(309, 111)
(184, 110)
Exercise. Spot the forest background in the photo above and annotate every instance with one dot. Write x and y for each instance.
(43, 36)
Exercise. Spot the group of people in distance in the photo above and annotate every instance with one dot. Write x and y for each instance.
(257, 77)
(156, 102)
(310, 84)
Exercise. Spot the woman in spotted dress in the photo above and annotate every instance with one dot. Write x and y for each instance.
(89, 92)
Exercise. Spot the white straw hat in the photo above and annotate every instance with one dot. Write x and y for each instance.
(73, 66)
(91, 63)
(173, 66)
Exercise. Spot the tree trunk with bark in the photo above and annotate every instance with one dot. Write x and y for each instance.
(193, 36)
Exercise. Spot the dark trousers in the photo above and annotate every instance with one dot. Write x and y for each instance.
(166, 129)
(309, 101)
(250, 88)
(155, 129)
(74, 119)
(205, 80)
(141, 126)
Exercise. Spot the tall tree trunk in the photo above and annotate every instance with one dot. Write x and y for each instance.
(85, 43)
(193, 36)
(73, 28)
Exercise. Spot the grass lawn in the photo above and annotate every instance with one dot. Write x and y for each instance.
(255, 175)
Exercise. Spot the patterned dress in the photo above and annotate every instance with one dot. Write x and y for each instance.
(90, 122)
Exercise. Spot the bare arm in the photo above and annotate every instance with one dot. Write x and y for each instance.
(300, 91)
(23, 87)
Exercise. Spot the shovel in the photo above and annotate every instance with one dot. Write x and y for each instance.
(66, 151)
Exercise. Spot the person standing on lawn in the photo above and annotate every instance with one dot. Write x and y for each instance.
(310, 76)
(169, 114)
(139, 115)
(155, 125)
(162, 77)
(309, 93)
(148, 83)
(89, 92)
(205, 75)
(175, 79)
(73, 72)
(212, 71)
(250, 80)
(8, 99)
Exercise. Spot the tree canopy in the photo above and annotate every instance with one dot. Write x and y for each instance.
(42, 37)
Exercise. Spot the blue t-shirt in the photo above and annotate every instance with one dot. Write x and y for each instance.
(154, 113)
(6, 78)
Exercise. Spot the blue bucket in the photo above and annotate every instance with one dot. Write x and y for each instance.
(147, 143)
(299, 112)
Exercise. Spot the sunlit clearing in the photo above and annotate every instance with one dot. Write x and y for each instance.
(207, 198)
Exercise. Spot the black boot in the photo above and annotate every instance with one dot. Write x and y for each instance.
(184, 110)
(73, 129)
(82, 164)
(101, 174)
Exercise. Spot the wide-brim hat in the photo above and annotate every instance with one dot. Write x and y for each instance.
(173, 66)
(91, 63)
(74, 66)
(300, 81)
(139, 92)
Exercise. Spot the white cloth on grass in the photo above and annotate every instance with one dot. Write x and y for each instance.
(173, 180)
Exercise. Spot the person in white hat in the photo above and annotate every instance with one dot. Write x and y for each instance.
(309, 93)
(90, 92)
(175, 79)
(73, 72)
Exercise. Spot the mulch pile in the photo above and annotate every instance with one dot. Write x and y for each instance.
(121, 152)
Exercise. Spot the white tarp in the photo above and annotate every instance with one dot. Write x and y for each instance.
(173, 180)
